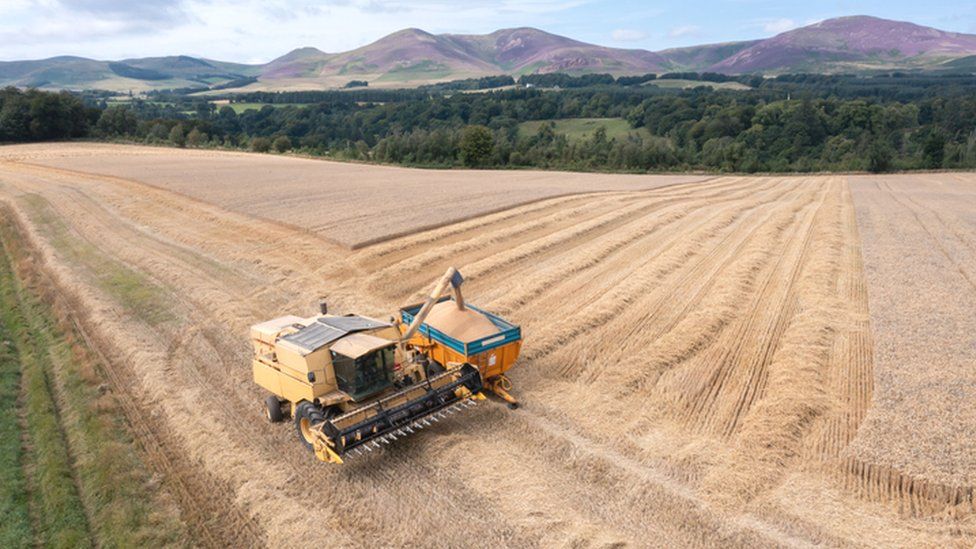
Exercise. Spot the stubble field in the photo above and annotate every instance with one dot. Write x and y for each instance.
(327, 198)
(708, 360)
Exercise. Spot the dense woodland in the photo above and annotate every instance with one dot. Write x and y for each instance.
(42, 116)
(789, 123)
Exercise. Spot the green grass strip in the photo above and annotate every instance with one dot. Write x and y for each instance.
(56, 503)
(15, 524)
(83, 457)
(116, 486)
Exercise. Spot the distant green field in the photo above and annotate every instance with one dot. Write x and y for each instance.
(126, 101)
(580, 128)
(241, 107)
(424, 70)
(684, 84)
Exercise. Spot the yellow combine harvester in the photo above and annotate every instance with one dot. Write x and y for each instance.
(352, 383)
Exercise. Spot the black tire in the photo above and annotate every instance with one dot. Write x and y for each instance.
(272, 409)
(306, 415)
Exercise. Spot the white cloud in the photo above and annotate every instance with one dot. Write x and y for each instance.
(242, 30)
(39, 28)
(155, 10)
(684, 31)
(777, 26)
(627, 35)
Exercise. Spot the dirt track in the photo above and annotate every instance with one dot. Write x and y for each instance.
(698, 360)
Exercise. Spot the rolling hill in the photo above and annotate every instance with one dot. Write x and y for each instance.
(850, 44)
(77, 73)
(695, 58)
(526, 50)
(416, 56)
(413, 57)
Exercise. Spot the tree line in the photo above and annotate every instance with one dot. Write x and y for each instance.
(34, 115)
(793, 123)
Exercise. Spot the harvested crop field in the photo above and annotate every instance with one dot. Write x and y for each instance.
(713, 361)
(327, 197)
(920, 253)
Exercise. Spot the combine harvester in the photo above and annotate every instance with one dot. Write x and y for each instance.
(352, 383)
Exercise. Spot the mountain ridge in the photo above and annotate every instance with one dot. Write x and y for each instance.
(413, 56)
(848, 41)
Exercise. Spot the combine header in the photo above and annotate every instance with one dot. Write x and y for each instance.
(352, 383)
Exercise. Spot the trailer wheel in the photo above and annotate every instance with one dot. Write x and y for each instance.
(306, 415)
(272, 409)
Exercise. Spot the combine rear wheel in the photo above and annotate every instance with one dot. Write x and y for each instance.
(306, 415)
(272, 409)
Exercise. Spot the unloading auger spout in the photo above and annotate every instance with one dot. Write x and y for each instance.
(453, 278)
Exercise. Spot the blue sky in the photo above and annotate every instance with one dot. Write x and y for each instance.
(259, 30)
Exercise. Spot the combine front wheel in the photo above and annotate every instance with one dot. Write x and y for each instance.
(306, 415)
